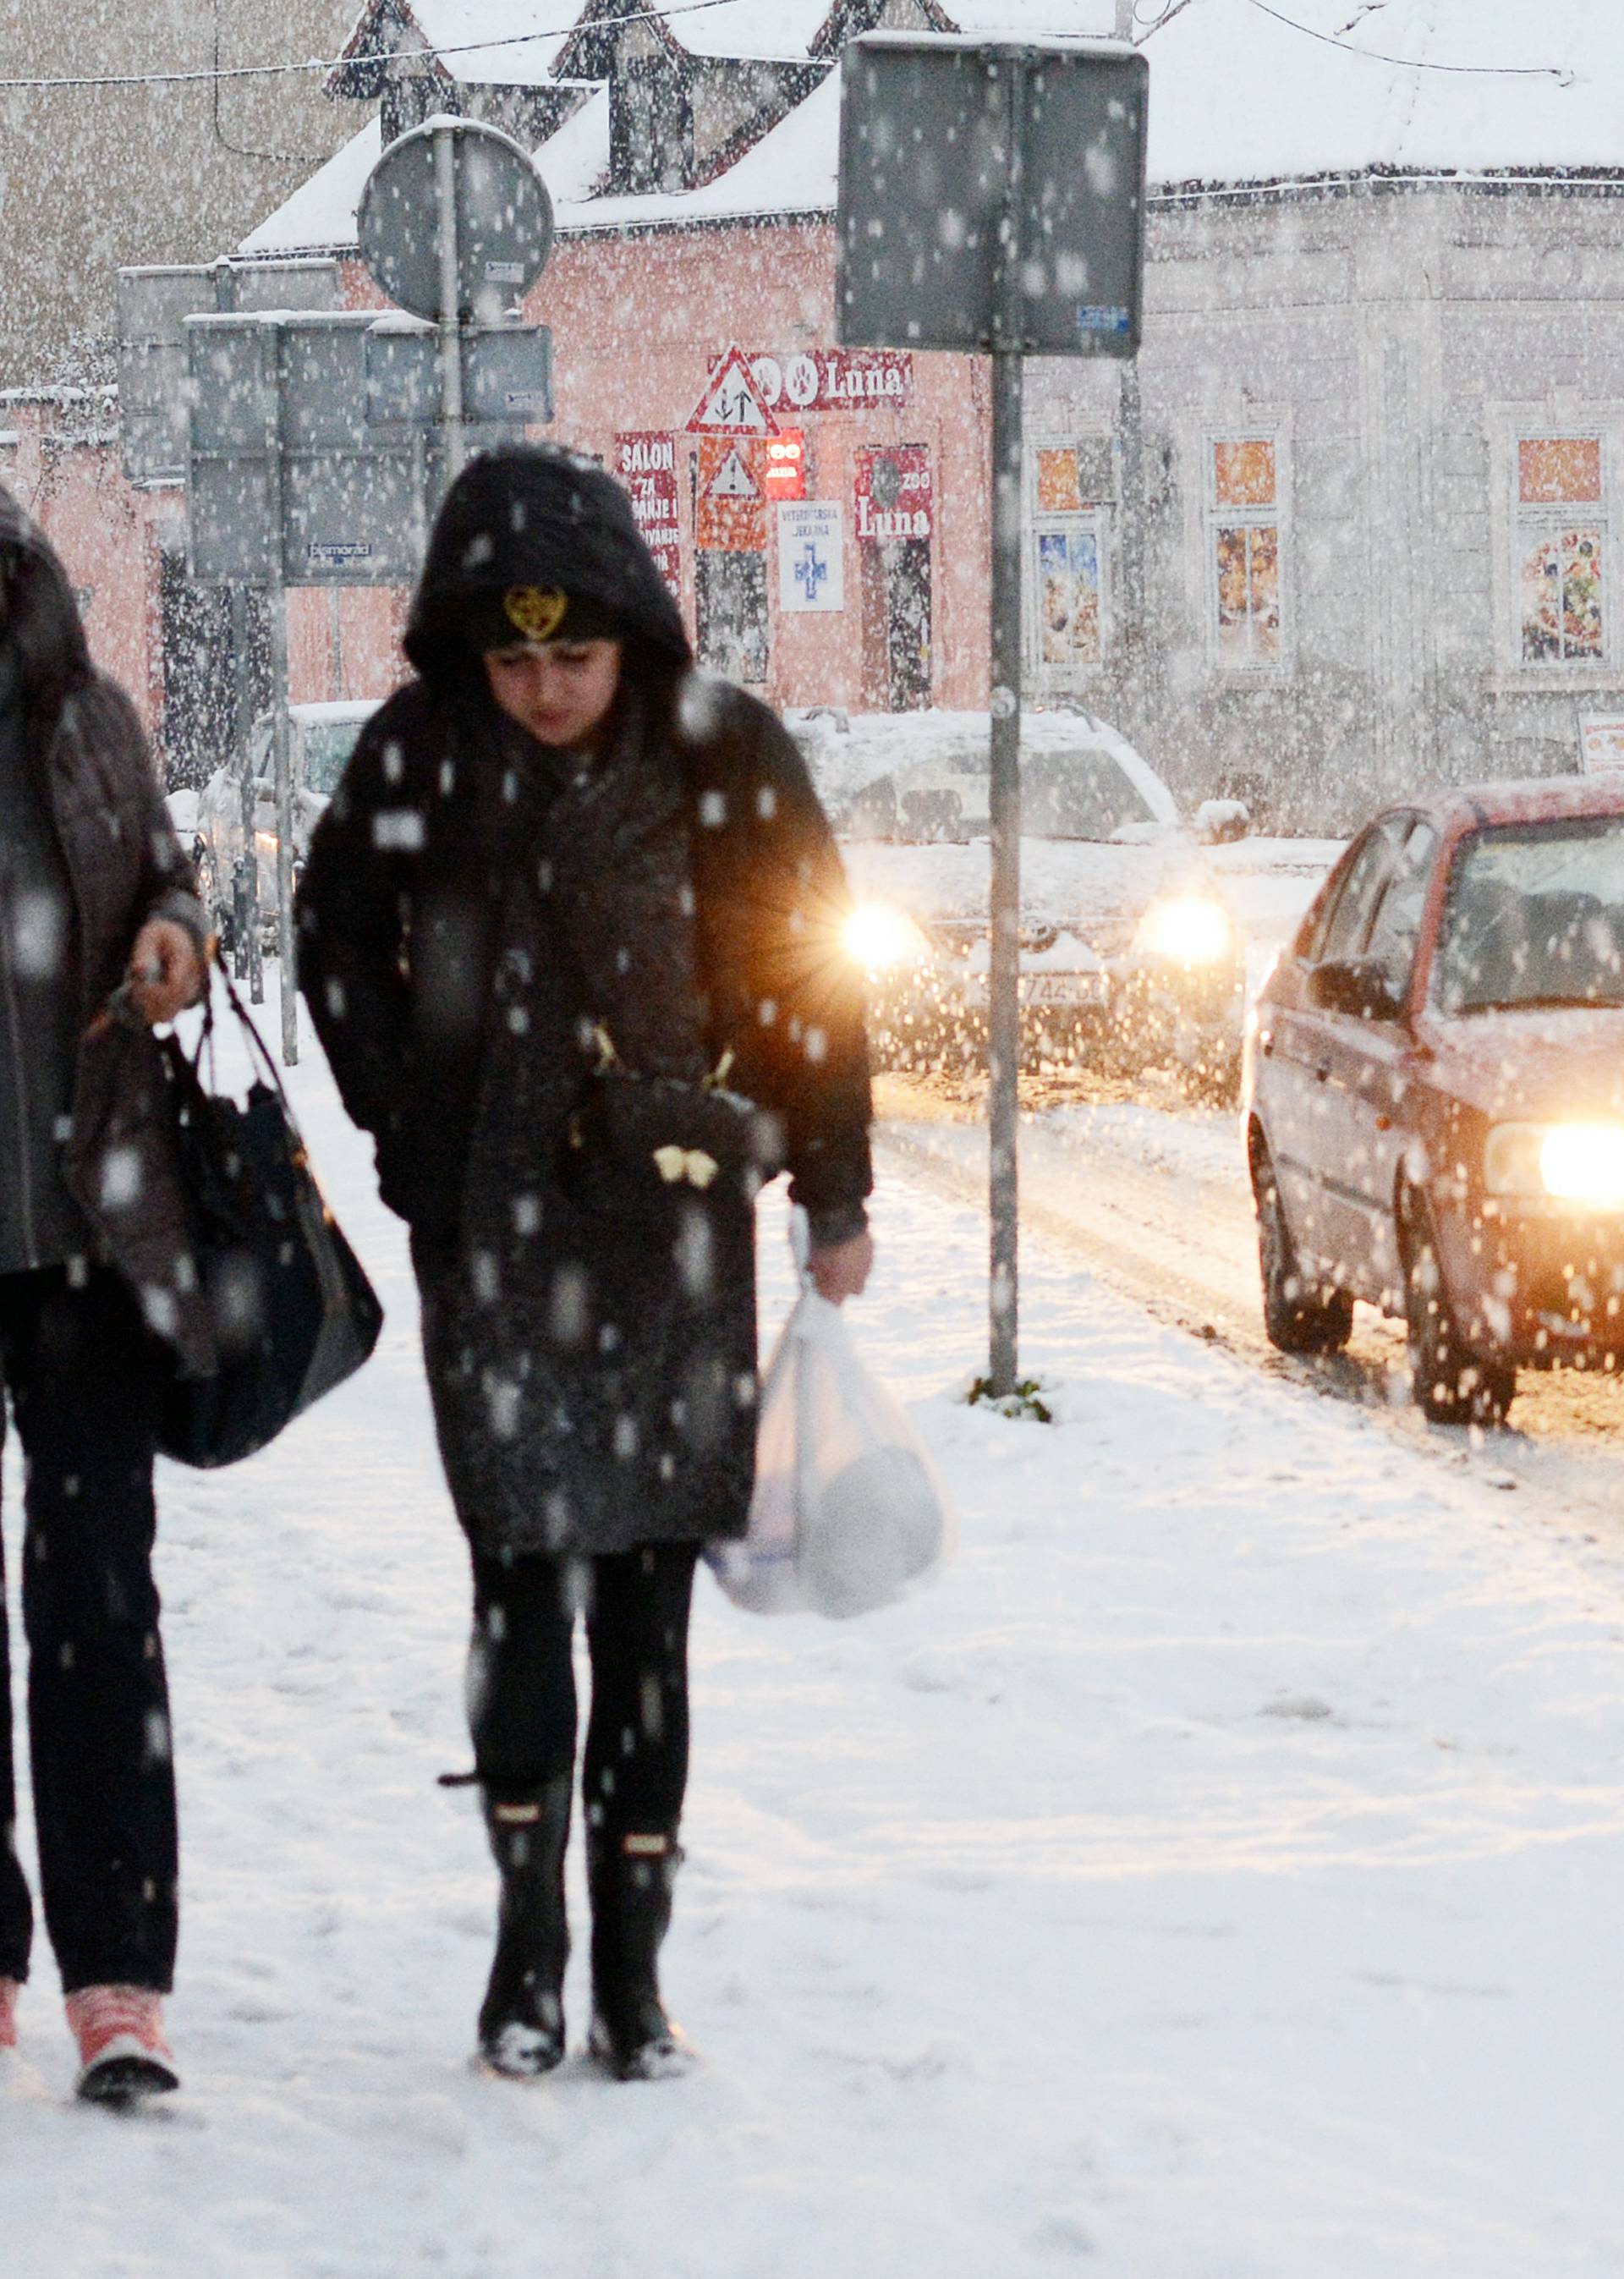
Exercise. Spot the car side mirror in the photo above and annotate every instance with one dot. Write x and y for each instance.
(1358, 985)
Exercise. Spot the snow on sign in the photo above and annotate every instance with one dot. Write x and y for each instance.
(811, 556)
(647, 464)
(730, 514)
(732, 404)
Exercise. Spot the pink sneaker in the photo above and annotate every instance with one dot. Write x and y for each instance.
(8, 1991)
(122, 2051)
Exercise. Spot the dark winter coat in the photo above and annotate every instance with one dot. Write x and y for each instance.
(471, 904)
(87, 821)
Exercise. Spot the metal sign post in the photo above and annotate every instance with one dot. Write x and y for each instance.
(1003, 787)
(281, 756)
(450, 334)
(992, 199)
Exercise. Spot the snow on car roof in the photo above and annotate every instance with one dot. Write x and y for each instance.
(341, 708)
(876, 744)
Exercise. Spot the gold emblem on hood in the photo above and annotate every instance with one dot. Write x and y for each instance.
(537, 614)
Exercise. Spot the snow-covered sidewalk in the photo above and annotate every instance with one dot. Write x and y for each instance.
(1217, 1875)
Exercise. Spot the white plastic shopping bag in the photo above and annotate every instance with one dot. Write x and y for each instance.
(846, 1514)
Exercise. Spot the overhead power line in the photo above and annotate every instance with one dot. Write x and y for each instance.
(1419, 63)
(214, 74)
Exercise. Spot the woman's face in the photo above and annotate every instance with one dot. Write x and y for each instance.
(560, 690)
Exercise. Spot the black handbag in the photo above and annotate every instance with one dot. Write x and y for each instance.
(640, 1146)
(290, 1306)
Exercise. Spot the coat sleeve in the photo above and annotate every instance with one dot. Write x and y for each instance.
(787, 996)
(167, 886)
(351, 932)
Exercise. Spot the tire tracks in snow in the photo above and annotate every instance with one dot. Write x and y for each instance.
(1183, 1247)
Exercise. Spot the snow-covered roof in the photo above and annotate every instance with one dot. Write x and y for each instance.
(321, 213)
(779, 30)
(1239, 94)
(520, 40)
(792, 170)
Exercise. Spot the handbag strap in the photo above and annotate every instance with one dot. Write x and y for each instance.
(260, 1050)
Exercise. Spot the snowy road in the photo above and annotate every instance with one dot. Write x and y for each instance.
(1158, 1207)
(1215, 1877)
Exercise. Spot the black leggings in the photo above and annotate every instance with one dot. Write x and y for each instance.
(521, 1680)
(77, 1366)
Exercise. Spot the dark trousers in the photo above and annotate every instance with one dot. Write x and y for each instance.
(80, 1372)
(521, 1681)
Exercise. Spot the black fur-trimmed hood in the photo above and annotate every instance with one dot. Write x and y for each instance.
(536, 515)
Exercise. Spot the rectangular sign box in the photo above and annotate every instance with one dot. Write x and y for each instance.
(933, 131)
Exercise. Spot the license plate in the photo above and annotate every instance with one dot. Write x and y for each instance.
(1062, 988)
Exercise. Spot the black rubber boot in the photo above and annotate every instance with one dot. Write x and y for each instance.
(630, 1879)
(521, 2019)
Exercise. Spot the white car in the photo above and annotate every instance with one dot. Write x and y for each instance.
(321, 738)
(1143, 937)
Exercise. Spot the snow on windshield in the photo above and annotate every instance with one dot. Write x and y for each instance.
(1535, 916)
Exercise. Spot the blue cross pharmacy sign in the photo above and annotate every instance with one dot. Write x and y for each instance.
(811, 555)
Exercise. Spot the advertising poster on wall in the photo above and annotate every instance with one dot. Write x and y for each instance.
(893, 492)
(1068, 596)
(1601, 744)
(811, 556)
(647, 464)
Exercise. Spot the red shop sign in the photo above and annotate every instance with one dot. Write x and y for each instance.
(647, 464)
(783, 459)
(832, 379)
(893, 492)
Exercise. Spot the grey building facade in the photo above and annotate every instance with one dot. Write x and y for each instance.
(1349, 525)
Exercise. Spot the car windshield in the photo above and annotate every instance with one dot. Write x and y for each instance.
(327, 746)
(1535, 916)
(1077, 795)
(1063, 796)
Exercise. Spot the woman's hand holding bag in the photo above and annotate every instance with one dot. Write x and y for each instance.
(848, 1515)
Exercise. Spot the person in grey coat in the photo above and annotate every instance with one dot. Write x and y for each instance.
(95, 898)
(566, 882)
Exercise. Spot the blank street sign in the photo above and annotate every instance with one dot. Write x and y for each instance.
(927, 145)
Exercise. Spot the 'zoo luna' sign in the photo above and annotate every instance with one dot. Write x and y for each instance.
(833, 379)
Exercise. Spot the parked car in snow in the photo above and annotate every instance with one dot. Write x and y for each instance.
(321, 739)
(1433, 1100)
(1141, 934)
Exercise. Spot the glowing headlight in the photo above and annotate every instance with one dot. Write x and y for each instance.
(1187, 930)
(1570, 1163)
(267, 843)
(878, 937)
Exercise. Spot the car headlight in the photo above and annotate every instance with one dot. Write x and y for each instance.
(1568, 1163)
(267, 843)
(879, 938)
(1186, 930)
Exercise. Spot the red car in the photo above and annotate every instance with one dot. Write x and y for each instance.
(1434, 1093)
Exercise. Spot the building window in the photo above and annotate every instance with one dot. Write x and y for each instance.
(1071, 484)
(1562, 550)
(1243, 522)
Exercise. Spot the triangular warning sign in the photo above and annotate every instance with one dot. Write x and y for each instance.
(732, 404)
(733, 479)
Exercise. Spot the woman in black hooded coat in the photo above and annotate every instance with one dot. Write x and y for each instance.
(568, 887)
